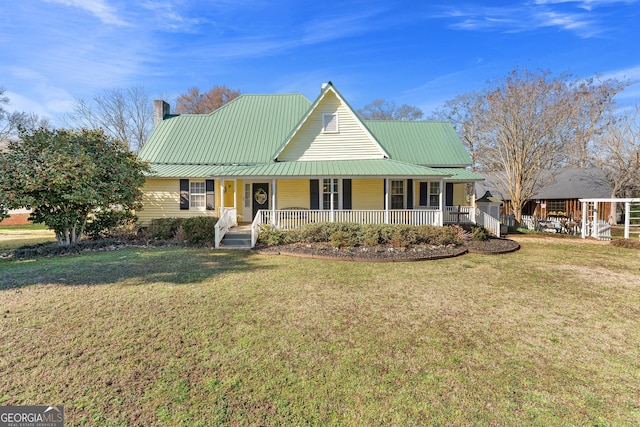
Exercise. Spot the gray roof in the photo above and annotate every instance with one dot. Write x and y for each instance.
(565, 184)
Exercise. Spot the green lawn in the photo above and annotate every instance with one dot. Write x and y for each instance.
(549, 335)
(14, 236)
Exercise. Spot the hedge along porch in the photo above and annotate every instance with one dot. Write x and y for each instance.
(280, 154)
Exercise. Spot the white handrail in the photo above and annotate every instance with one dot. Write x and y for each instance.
(488, 222)
(227, 220)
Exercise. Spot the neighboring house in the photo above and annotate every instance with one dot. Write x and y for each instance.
(17, 217)
(559, 197)
(287, 157)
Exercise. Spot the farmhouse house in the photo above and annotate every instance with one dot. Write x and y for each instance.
(285, 160)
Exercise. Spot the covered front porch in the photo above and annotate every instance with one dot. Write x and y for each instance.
(364, 192)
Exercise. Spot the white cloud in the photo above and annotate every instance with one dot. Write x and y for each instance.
(99, 8)
(578, 17)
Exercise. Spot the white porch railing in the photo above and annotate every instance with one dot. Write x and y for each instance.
(459, 214)
(228, 218)
(288, 219)
(487, 221)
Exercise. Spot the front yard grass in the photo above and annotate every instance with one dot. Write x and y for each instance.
(548, 335)
(15, 236)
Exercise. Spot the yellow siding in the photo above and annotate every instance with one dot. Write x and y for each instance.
(367, 194)
(228, 195)
(350, 142)
(161, 199)
(459, 195)
(293, 193)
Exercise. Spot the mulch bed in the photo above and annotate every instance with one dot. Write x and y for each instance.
(389, 254)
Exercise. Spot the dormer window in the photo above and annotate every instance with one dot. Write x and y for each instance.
(330, 122)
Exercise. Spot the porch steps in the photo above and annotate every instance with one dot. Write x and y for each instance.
(237, 238)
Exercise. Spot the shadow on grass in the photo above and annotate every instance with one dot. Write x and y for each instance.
(128, 266)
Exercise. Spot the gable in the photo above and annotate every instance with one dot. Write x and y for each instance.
(331, 131)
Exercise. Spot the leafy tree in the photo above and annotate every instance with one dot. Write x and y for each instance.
(124, 114)
(379, 109)
(65, 175)
(194, 102)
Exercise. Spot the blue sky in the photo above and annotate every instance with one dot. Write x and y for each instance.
(417, 52)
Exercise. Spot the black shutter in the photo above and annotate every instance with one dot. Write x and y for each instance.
(211, 195)
(314, 191)
(346, 194)
(448, 194)
(184, 194)
(409, 194)
(423, 193)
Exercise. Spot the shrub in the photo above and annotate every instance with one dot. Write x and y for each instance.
(111, 223)
(479, 233)
(199, 229)
(341, 239)
(271, 236)
(164, 228)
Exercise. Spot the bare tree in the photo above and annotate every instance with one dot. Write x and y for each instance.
(3, 100)
(124, 114)
(593, 114)
(529, 124)
(463, 112)
(194, 102)
(619, 154)
(379, 109)
(10, 123)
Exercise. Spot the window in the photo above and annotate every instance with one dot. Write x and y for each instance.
(430, 194)
(397, 194)
(197, 194)
(556, 206)
(434, 194)
(330, 192)
(247, 195)
(330, 122)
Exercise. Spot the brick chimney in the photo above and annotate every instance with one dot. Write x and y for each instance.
(160, 110)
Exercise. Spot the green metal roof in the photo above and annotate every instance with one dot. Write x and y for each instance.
(341, 168)
(421, 142)
(240, 139)
(350, 168)
(460, 174)
(184, 171)
(246, 130)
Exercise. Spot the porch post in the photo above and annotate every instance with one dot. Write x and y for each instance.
(332, 216)
(235, 194)
(386, 200)
(627, 220)
(441, 201)
(596, 231)
(273, 201)
(584, 220)
(221, 196)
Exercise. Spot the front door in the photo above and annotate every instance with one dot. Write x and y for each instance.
(260, 197)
